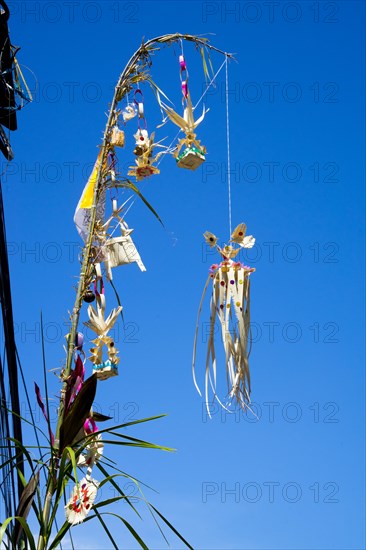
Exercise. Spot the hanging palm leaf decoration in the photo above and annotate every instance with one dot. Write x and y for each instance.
(193, 154)
(144, 145)
(101, 326)
(230, 306)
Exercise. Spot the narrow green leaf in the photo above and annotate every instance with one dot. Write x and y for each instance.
(132, 423)
(60, 535)
(63, 478)
(139, 194)
(25, 452)
(120, 304)
(172, 528)
(109, 534)
(147, 443)
(110, 479)
(110, 464)
(10, 460)
(139, 445)
(129, 185)
(106, 502)
(119, 426)
(205, 69)
(134, 533)
(25, 527)
(36, 428)
(128, 525)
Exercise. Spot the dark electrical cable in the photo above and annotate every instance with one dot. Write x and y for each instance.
(14, 428)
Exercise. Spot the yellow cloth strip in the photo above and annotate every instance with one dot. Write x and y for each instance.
(88, 194)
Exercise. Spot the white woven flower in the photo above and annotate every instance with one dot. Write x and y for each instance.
(238, 237)
(81, 501)
(248, 242)
(92, 452)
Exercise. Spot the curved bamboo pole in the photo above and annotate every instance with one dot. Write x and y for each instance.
(132, 73)
(124, 84)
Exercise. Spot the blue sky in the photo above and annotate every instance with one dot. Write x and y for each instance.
(294, 478)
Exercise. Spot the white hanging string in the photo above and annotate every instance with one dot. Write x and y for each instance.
(169, 150)
(228, 142)
(210, 84)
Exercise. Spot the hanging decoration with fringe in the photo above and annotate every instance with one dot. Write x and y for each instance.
(230, 306)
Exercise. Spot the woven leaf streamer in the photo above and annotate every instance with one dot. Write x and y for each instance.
(230, 306)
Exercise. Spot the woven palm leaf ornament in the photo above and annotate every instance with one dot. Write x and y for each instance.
(193, 153)
(101, 326)
(81, 500)
(115, 250)
(230, 309)
(144, 145)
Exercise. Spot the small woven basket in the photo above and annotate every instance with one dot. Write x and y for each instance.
(117, 137)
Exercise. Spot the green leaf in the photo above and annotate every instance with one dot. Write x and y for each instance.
(42, 466)
(110, 479)
(128, 525)
(132, 423)
(119, 303)
(130, 438)
(129, 185)
(111, 464)
(107, 502)
(132, 442)
(10, 460)
(171, 527)
(63, 478)
(60, 535)
(33, 424)
(25, 527)
(119, 426)
(158, 91)
(109, 534)
(139, 194)
(134, 533)
(205, 69)
(27, 454)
